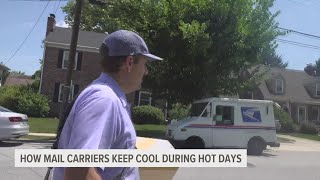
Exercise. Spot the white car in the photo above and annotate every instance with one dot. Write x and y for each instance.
(12, 124)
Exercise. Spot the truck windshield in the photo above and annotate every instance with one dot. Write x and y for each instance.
(197, 108)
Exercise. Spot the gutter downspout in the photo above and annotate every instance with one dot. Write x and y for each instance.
(43, 60)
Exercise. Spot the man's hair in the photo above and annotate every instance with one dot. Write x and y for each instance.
(112, 64)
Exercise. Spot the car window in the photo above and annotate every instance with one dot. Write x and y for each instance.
(2, 109)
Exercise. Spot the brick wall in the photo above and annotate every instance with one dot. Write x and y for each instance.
(52, 74)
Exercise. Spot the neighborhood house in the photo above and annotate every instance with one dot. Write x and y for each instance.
(86, 69)
(295, 91)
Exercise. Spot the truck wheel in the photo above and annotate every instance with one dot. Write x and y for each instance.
(194, 143)
(256, 146)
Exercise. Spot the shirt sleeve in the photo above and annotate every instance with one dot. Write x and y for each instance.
(95, 124)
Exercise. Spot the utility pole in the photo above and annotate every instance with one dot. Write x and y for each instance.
(72, 54)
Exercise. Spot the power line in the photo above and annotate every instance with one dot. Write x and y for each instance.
(299, 44)
(301, 33)
(57, 7)
(28, 34)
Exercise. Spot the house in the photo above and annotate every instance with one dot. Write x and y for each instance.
(294, 90)
(54, 69)
(4, 71)
(15, 79)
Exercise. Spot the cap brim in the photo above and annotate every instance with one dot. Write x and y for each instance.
(153, 57)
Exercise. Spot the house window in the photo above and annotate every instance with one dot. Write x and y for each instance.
(318, 90)
(301, 113)
(65, 60)
(71, 95)
(279, 86)
(225, 115)
(144, 98)
(315, 114)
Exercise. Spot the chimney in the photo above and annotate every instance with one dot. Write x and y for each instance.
(51, 23)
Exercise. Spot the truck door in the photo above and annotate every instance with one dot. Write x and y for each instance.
(223, 130)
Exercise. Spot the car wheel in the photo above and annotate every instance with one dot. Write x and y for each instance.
(256, 146)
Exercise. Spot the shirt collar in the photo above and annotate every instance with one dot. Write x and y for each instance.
(105, 77)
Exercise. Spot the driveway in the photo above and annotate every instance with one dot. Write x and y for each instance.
(289, 143)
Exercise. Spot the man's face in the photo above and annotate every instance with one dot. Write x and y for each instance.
(137, 72)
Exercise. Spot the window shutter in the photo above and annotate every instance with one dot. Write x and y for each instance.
(136, 98)
(76, 90)
(60, 59)
(79, 62)
(56, 92)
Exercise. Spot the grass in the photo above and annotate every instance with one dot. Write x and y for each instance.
(150, 130)
(49, 125)
(43, 125)
(304, 136)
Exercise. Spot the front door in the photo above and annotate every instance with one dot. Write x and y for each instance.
(301, 113)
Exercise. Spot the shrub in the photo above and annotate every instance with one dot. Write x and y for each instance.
(178, 111)
(287, 124)
(9, 96)
(147, 115)
(21, 99)
(308, 128)
(33, 104)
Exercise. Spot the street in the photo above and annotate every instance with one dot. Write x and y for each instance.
(294, 160)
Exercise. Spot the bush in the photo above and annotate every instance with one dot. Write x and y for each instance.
(9, 96)
(178, 111)
(21, 99)
(308, 128)
(287, 124)
(33, 104)
(147, 115)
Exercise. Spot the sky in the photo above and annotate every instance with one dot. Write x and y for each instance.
(17, 18)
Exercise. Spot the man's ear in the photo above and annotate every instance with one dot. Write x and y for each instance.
(129, 63)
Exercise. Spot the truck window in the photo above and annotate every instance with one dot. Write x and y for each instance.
(197, 108)
(227, 113)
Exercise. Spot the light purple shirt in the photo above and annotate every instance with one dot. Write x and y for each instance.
(100, 119)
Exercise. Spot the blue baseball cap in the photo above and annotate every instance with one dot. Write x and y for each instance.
(127, 43)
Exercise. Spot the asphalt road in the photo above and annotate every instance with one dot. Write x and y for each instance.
(7, 169)
(295, 160)
(282, 165)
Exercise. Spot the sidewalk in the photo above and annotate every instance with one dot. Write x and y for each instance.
(42, 134)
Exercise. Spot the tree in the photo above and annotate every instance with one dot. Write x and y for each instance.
(274, 60)
(18, 72)
(205, 43)
(313, 69)
(36, 76)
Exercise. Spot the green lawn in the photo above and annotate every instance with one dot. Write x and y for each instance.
(43, 125)
(305, 136)
(49, 125)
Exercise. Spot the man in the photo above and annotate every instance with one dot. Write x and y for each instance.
(100, 117)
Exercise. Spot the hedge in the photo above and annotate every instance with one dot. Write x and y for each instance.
(147, 115)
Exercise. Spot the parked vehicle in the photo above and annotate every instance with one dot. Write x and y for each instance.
(226, 123)
(12, 124)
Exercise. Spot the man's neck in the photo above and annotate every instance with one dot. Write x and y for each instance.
(121, 82)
